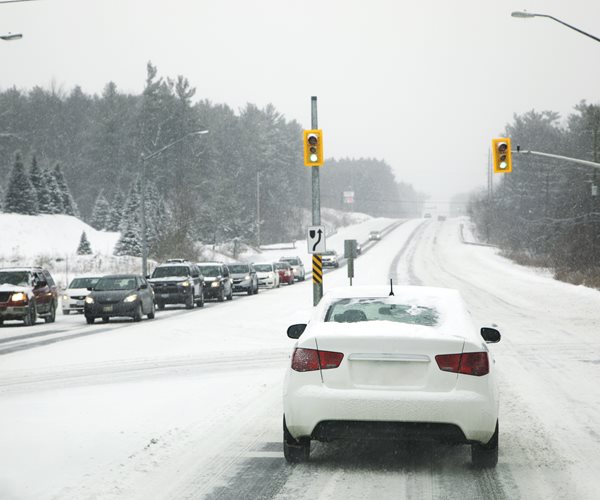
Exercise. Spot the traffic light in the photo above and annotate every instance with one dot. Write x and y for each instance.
(501, 155)
(313, 148)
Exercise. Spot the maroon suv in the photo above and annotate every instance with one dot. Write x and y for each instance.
(26, 293)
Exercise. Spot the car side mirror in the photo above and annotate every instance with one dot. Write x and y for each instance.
(148, 277)
(295, 331)
(490, 335)
(143, 286)
(90, 288)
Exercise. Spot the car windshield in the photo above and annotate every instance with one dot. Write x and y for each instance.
(292, 262)
(263, 268)
(18, 278)
(211, 271)
(282, 265)
(167, 271)
(381, 309)
(84, 282)
(238, 268)
(121, 283)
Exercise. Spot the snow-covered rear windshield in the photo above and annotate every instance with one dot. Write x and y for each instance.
(165, 272)
(18, 278)
(238, 268)
(83, 282)
(282, 265)
(381, 309)
(105, 284)
(263, 268)
(292, 262)
(210, 271)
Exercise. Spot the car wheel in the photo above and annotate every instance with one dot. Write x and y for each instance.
(152, 311)
(230, 296)
(485, 456)
(251, 290)
(89, 320)
(201, 301)
(221, 295)
(31, 316)
(66, 312)
(160, 306)
(51, 318)
(256, 289)
(105, 319)
(1, 322)
(295, 451)
(137, 315)
(189, 301)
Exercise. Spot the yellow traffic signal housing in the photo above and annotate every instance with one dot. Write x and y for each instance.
(501, 155)
(313, 148)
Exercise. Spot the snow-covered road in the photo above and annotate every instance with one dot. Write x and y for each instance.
(189, 405)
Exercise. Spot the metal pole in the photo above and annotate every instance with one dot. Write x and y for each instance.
(143, 208)
(316, 205)
(258, 209)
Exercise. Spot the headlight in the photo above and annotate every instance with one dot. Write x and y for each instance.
(89, 300)
(186, 283)
(247, 277)
(131, 298)
(215, 284)
(18, 297)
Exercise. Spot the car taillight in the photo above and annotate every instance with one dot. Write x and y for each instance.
(467, 363)
(306, 360)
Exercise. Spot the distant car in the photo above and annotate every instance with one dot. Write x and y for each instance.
(297, 267)
(441, 217)
(119, 295)
(177, 281)
(76, 292)
(410, 366)
(26, 293)
(427, 216)
(286, 273)
(375, 235)
(267, 275)
(330, 259)
(217, 282)
(244, 278)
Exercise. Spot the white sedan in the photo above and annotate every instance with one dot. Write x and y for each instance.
(267, 275)
(409, 366)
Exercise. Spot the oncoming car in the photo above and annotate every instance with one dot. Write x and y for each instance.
(75, 294)
(408, 367)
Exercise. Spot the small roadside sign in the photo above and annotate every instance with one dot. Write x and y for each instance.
(315, 238)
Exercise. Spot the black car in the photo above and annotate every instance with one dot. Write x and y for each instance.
(119, 295)
(177, 282)
(243, 277)
(217, 282)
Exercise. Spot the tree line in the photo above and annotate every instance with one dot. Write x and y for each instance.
(208, 187)
(547, 211)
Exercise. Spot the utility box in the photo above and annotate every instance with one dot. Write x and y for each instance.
(350, 249)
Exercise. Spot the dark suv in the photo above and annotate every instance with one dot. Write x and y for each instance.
(26, 293)
(217, 282)
(177, 282)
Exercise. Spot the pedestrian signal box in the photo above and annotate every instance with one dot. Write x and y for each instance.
(313, 148)
(501, 155)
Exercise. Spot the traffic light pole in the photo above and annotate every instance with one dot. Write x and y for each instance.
(317, 261)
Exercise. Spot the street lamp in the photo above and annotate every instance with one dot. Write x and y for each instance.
(144, 159)
(526, 15)
(11, 36)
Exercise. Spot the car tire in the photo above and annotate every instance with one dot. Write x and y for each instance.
(230, 296)
(250, 290)
(105, 319)
(137, 315)
(221, 297)
(295, 451)
(89, 320)
(152, 311)
(256, 289)
(485, 456)
(160, 306)
(189, 301)
(201, 301)
(66, 312)
(51, 318)
(1, 322)
(31, 315)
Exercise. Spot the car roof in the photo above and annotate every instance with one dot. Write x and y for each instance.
(175, 263)
(209, 264)
(128, 276)
(33, 268)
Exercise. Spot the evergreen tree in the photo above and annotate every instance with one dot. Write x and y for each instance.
(20, 197)
(69, 206)
(37, 180)
(84, 247)
(130, 242)
(116, 212)
(101, 213)
(54, 196)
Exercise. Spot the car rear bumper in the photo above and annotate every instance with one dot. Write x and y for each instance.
(308, 408)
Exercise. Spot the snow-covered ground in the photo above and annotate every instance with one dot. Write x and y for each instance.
(189, 405)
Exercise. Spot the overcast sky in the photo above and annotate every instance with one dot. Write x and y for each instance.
(423, 84)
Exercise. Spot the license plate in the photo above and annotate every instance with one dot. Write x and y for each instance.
(164, 295)
(107, 308)
(79, 303)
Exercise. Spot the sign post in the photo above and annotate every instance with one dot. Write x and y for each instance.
(350, 253)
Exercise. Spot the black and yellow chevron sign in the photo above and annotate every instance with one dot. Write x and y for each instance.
(317, 269)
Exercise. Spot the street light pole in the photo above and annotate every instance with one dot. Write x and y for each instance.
(11, 37)
(526, 15)
(144, 159)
